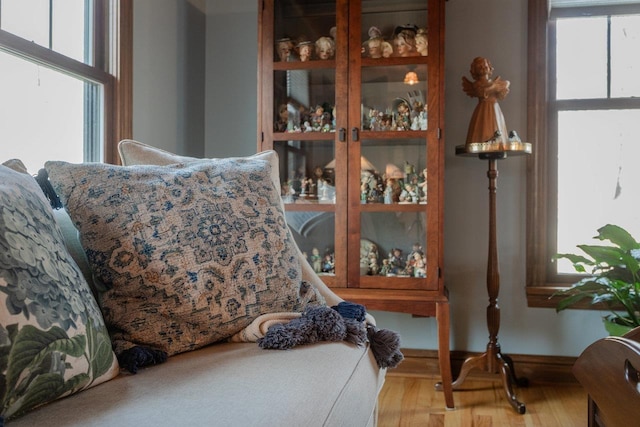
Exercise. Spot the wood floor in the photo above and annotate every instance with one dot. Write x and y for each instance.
(412, 401)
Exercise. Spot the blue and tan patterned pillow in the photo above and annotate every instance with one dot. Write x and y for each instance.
(53, 341)
(192, 252)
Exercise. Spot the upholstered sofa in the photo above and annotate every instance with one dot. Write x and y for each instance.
(231, 382)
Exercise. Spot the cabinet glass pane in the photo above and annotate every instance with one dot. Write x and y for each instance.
(304, 100)
(304, 30)
(307, 171)
(392, 244)
(394, 171)
(394, 28)
(313, 231)
(394, 98)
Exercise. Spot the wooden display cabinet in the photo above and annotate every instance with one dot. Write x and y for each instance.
(357, 121)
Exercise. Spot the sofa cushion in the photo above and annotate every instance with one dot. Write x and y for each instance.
(53, 341)
(192, 253)
(136, 153)
(327, 384)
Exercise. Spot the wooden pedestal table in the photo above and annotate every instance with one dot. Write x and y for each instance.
(493, 360)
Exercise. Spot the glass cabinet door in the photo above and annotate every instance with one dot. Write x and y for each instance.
(345, 98)
(389, 202)
(309, 60)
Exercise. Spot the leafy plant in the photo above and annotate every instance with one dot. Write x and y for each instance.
(614, 278)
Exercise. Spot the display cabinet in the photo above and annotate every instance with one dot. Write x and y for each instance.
(350, 95)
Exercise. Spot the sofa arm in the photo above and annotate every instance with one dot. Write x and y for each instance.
(609, 371)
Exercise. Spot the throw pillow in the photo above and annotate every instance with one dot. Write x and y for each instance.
(137, 153)
(192, 252)
(53, 341)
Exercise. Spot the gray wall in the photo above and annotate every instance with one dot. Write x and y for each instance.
(495, 29)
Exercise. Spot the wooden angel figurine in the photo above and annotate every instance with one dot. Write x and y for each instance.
(487, 122)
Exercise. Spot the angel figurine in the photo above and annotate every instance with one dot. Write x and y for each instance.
(487, 122)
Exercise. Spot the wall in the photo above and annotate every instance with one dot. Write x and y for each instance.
(495, 29)
(169, 74)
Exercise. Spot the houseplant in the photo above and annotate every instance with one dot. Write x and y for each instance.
(613, 278)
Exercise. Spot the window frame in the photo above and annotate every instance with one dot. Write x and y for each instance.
(113, 67)
(541, 281)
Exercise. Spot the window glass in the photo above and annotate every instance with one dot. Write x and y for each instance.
(68, 28)
(41, 114)
(60, 25)
(625, 56)
(598, 175)
(36, 28)
(581, 55)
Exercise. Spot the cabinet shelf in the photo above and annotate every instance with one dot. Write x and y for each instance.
(304, 136)
(307, 65)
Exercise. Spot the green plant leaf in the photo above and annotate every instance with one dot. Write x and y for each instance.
(609, 255)
(575, 259)
(618, 236)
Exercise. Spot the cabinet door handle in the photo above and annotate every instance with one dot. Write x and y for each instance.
(354, 134)
(342, 135)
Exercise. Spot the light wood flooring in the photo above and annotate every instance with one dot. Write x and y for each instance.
(407, 400)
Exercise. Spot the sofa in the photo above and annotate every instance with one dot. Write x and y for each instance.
(609, 372)
(202, 378)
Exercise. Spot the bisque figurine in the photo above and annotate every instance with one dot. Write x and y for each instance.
(403, 121)
(325, 48)
(282, 124)
(316, 260)
(284, 47)
(305, 49)
(422, 42)
(404, 41)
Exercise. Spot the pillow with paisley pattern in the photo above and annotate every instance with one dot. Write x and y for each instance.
(192, 253)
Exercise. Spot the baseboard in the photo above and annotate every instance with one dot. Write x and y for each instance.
(540, 369)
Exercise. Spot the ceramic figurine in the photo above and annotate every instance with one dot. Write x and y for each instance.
(404, 41)
(325, 48)
(285, 49)
(305, 50)
(316, 260)
(422, 42)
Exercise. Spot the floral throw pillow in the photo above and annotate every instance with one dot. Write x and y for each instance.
(192, 253)
(53, 341)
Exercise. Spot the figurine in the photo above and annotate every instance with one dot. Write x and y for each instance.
(422, 42)
(285, 48)
(404, 41)
(316, 260)
(374, 47)
(282, 125)
(404, 116)
(387, 49)
(396, 263)
(325, 48)
(304, 50)
(487, 122)
(328, 265)
(422, 185)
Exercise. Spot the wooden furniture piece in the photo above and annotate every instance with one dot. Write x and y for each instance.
(352, 127)
(493, 360)
(608, 370)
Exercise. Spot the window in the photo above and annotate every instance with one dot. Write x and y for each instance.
(66, 76)
(584, 115)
